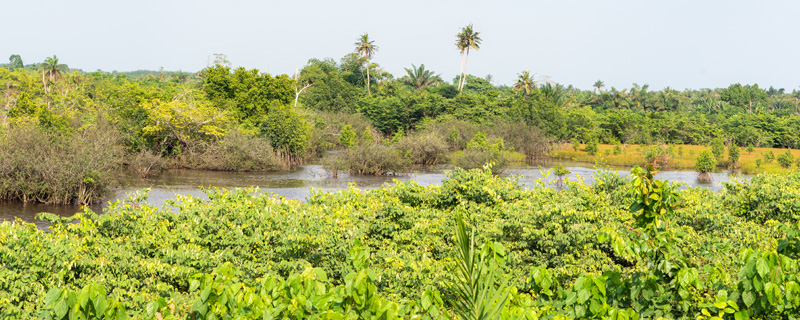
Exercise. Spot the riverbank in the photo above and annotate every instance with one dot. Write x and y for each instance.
(681, 157)
(297, 184)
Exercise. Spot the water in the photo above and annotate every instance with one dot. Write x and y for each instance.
(297, 184)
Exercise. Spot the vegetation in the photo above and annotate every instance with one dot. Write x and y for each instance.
(630, 248)
(704, 165)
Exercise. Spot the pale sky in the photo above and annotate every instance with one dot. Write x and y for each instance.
(676, 43)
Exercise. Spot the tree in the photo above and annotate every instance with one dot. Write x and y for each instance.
(704, 164)
(525, 83)
(182, 122)
(366, 48)
(718, 148)
(419, 78)
(468, 39)
(221, 59)
(599, 84)
(733, 154)
(53, 68)
(15, 62)
(786, 159)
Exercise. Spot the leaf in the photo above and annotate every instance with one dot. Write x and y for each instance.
(61, 309)
(584, 295)
(741, 315)
(762, 267)
(636, 207)
(748, 297)
(52, 296)
(194, 285)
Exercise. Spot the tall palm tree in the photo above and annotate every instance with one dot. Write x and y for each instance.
(366, 48)
(469, 39)
(419, 78)
(461, 45)
(52, 68)
(599, 84)
(525, 83)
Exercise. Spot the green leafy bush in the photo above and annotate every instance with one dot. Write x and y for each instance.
(786, 159)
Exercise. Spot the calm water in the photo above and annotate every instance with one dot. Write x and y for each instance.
(297, 184)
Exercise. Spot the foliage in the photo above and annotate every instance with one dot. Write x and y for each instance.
(287, 131)
(786, 159)
(180, 123)
(733, 154)
(366, 159)
(705, 162)
(718, 149)
(347, 137)
(425, 148)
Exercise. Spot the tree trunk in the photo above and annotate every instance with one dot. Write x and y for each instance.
(464, 74)
(368, 93)
(461, 72)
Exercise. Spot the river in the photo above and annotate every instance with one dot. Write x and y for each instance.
(296, 184)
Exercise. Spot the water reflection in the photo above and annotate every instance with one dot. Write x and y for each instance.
(296, 184)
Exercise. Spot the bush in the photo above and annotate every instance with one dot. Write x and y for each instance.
(425, 148)
(347, 137)
(591, 146)
(40, 166)
(786, 159)
(481, 151)
(617, 150)
(704, 164)
(236, 151)
(769, 156)
(520, 137)
(718, 148)
(145, 163)
(733, 154)
(367, 159)
(659, 156)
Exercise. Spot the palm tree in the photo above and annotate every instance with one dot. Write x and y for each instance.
(419, 78)
(52, 68)
(461, 44)
(467, 39)
(525, 83)
(599, 84)
(366, 48)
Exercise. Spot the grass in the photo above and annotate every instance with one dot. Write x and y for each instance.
(633, 155)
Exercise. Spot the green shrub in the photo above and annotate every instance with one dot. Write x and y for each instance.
(576, 144)
(718, 148)
(786, 159)
(733, 154)
(425, 148)
(37, 165)
(617, 150)
(347, 137)
(591, 146)
(367, 159)
(769, 156)
(236, 151)
(704, 164)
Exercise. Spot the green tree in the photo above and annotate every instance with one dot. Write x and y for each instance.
(419, 78)
(718, 148)
(347, 136)
(288, 132)
(525, 83)
(53, 68)
(786, 159)
(467, 39)
(599, 84)
(705, 163)
(366, 48)
(15, 62)
(733, 154)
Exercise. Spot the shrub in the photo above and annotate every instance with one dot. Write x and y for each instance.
(481, 151)
(41, 166)
(145, 163)
(704, 164)
(733, 154)
(769, 156)
(617, 149)
(347, 137)
(591, 146)
(576, 144)
(425, 148)
(718, 148)
(529, 140)
(750, 149)
(786, 159)
(236, 151)
(367, 159)
(658, 156)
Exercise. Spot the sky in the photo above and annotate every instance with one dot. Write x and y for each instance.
(677, 43)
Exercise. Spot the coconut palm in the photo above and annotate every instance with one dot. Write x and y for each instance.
(366, 48)
(419, 78)
(468, 39)
(52, 68)
(525, 83)
(599, 85)
(461, 44)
